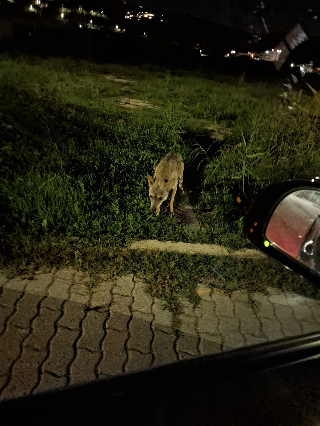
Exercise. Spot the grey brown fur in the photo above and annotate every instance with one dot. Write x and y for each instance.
(167, 176)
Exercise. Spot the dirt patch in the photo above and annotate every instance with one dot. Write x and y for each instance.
(184, 212)
(188, 248)
(217, 132)
(118, 79)
(134, 103)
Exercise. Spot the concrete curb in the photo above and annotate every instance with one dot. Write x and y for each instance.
(197, 248)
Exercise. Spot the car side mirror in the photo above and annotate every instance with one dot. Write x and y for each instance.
(284, 223)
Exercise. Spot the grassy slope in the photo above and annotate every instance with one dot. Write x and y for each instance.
(73, 162)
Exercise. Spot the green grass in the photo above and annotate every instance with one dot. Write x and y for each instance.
(168, 275)
(73, 162)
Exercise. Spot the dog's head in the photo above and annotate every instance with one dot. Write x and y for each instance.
(158, 193)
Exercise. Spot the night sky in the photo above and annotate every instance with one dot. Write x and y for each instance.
(247, 14)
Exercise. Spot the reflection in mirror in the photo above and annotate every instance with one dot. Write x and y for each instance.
(294, 227)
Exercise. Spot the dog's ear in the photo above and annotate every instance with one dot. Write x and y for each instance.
(150, 180)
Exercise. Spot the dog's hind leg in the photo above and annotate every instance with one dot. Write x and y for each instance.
(180, 175)
(180, 185)
(173, 193)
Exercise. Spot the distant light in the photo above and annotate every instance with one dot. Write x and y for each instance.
(292, 65)
(272, 50)
(233, 51)
(31, 7)
(266, 243)
(312, 180)
(80, 26)
(62, 15)
(101, 11)
(161, 20)
(117, 26)
(90, 21)
(267, 51)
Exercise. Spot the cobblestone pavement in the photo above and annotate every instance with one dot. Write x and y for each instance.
(54, 332)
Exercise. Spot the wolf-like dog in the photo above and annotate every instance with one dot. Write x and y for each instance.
(167, 176)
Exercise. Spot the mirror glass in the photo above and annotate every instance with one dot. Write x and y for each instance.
(294, 227)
